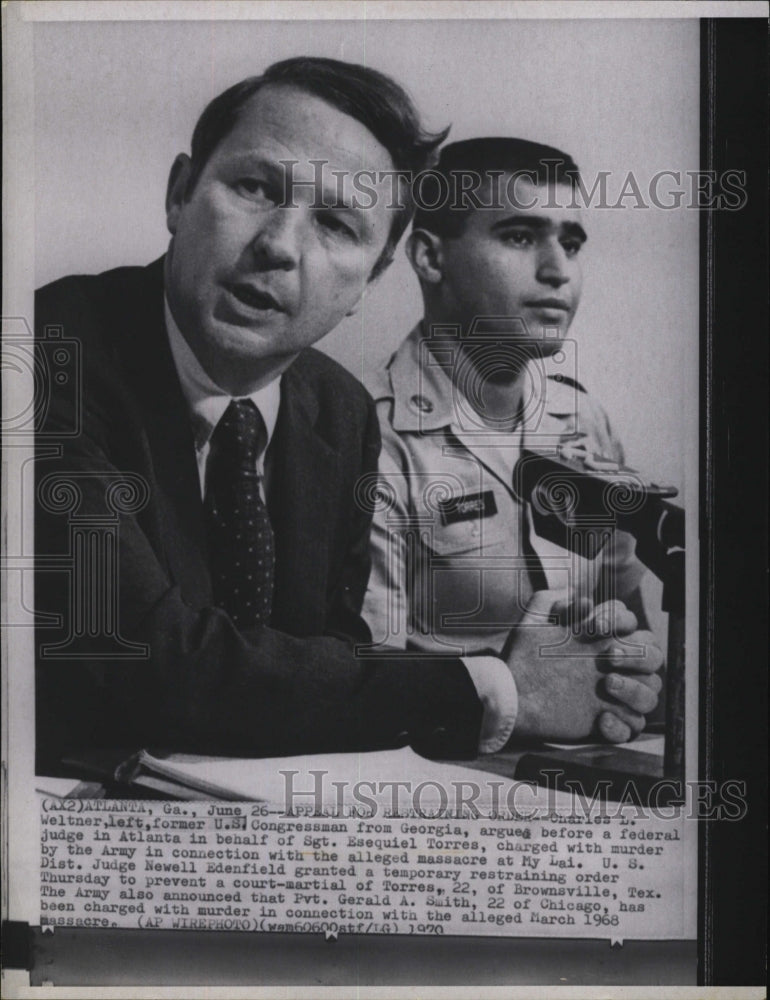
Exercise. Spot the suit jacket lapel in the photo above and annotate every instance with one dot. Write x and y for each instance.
(303, 473)
(303, 494)
(169, 432)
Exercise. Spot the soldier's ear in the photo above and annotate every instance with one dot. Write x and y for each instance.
(425, 252)
(176, 192)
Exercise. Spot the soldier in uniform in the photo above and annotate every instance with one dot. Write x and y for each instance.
(489, 371)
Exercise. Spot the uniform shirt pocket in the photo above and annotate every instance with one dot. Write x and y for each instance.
(476, 534)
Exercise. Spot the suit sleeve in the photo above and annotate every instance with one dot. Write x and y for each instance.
(343, 617)
(192, 680)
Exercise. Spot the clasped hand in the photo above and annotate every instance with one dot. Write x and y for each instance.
(596, 678)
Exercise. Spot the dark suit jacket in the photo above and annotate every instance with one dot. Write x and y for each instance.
(296, 686)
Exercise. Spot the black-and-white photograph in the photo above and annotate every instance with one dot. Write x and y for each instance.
(355, 551)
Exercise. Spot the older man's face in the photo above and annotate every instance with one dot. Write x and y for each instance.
(252, 278)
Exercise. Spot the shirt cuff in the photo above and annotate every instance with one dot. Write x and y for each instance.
(497, 692)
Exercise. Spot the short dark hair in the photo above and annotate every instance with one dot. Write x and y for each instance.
(544, 164)
(371, 97)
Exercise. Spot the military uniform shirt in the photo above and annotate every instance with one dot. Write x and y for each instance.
(455, 555)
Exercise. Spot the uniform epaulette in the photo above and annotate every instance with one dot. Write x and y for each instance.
(566, 380)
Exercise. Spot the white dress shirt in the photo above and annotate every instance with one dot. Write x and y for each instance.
(208, 403)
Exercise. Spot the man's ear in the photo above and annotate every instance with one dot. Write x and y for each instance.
(424, 250)
(176, 192)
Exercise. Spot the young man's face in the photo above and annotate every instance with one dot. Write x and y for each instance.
(251, 281)
(518, 261)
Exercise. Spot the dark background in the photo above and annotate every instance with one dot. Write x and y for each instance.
(734, 297)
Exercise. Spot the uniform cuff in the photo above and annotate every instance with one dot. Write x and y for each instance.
(497, 692)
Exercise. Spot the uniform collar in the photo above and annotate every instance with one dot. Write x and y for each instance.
(206, 401)
(426, 399)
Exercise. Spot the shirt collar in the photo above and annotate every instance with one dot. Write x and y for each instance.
(207, 402)
(426, 399)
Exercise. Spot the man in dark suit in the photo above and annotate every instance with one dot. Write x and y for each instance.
(202, 555)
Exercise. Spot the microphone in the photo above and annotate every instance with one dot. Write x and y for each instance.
(577, 498)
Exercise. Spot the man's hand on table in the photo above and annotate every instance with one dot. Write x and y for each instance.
(585, 685)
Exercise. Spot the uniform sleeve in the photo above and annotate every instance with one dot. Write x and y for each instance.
(386, 604)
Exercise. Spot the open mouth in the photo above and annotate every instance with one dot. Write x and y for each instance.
(254, 298)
